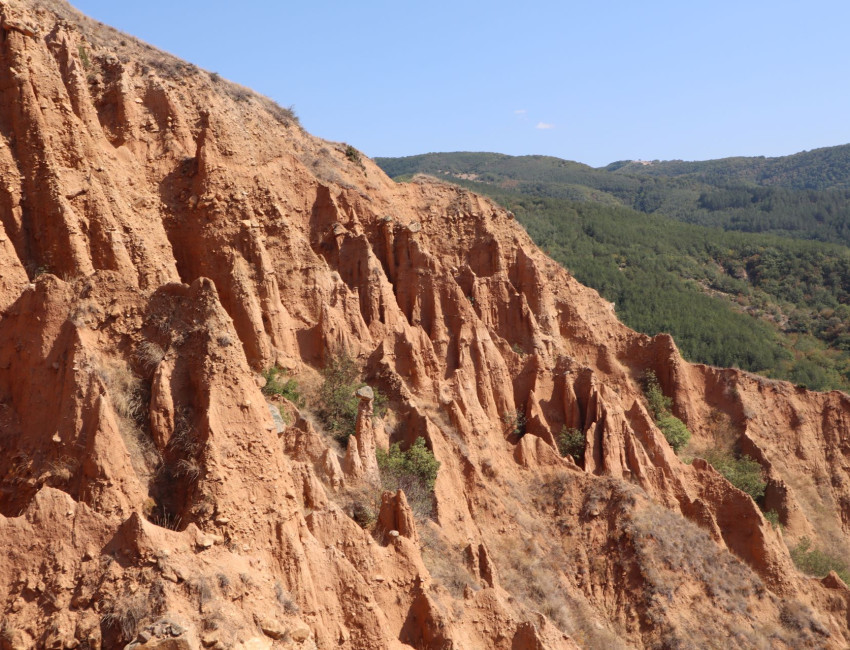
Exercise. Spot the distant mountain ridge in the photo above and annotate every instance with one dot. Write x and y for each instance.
(818, 169)
(806, 195)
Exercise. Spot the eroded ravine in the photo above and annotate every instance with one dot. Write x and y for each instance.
(165, 236)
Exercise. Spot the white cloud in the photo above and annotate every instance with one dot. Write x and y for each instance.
(544, 125)
(520, 111)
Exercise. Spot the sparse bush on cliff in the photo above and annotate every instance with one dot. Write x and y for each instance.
(571, 442)
(364, 512)
(659, 403)
(283, 114)
(773, 517)
(743, 472)
(817, 563)
(417, 461)
(515, 423)
(414, 471)
(84, 57)
(337, 404)
(531, 572)
(353, 155)
(276, 387)
(444, 561)
(674, 430)
(800, 619)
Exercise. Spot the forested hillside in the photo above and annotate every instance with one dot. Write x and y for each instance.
(819, 169)
(764, 302)
(806, 195)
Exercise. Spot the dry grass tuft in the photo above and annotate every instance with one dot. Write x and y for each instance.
(533, 572)
(125, 615)
(126, 390)
(149, 355)
(86, 313)
(129, 397)
(445, 562)
(183, 438)
(325, 167)
(670, 550)
(799, 618)
(362, 503)
(285, 599)
(284, 115)
(188, 467)
(673, 554)
(165, 519)
(201, 588)
(63, 469)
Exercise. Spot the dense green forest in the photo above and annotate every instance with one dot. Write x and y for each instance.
(819, 169)
(806, 195)
(763, 302)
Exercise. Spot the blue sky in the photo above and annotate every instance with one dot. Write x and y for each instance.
(589, 81)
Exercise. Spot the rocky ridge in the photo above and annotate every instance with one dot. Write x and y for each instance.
(165, 236)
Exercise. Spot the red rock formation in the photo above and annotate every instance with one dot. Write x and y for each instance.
(165, 236)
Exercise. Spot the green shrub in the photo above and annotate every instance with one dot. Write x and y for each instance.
(675, 431)
(364, 514)
(275, 387)
(742, 472)
(337, 407)
(659, 403)
(817, 563)
(353, 155)
(571, 442)
(284, 415)
(337, 401)
(515, 423)
(84, 57)
(417, 461)
(773, 517)
(414, 471)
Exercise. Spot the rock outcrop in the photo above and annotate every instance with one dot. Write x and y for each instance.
(166, 235)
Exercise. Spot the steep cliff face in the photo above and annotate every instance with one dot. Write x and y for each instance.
(165, 236)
